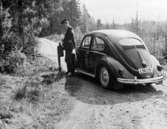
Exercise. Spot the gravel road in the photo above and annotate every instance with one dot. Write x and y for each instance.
(134, 107)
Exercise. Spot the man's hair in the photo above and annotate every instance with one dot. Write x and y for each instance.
(64, 21)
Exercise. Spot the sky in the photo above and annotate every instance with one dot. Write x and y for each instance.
(122, 11)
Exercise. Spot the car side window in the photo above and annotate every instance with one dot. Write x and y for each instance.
(86, 42)
(98, 44)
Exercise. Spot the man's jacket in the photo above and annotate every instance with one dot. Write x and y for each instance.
(68, 42)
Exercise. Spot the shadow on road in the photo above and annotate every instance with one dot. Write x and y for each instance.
(52, 77)
(87, 90)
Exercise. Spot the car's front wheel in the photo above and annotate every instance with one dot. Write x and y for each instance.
(107, 80)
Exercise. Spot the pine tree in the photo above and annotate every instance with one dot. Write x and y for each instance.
(99, 24)
(72, 12)
(28, 17)
(87, 23)
(113, 24)
(84, 20)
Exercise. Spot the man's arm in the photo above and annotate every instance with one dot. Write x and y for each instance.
(72, 38)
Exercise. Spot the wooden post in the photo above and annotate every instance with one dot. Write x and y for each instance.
(59, 55)
(20, 20)
(59, 59)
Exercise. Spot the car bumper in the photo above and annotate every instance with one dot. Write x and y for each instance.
(141, 81)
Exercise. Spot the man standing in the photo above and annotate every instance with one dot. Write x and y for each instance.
(69, 47)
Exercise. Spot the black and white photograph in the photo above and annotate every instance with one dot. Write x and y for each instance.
(83, 64)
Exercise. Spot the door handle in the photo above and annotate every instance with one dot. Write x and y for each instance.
(87, 53)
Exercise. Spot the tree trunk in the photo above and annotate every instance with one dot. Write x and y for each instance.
(165, 44)
(20, 20)
(1, 32)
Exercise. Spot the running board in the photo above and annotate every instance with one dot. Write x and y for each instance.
(84, 72)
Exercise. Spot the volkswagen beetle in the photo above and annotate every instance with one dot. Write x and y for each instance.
(117, 57)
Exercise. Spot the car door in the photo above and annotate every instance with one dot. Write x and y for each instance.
(97, 51)
(83, 53)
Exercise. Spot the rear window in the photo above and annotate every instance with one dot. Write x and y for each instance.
(130, 42)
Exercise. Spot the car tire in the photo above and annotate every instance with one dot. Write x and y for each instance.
(107, 79)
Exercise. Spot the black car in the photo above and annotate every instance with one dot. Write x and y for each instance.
(117, 57)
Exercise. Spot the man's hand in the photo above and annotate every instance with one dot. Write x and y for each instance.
(74, 51)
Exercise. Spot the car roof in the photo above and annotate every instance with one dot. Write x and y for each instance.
(116, 34)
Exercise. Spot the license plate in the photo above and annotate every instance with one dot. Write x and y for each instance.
(164, 74)
(146, 70)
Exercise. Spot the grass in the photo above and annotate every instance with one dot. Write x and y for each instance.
(20, 93)
(31, 96)
(2, 81)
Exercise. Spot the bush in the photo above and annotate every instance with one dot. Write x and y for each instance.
(13, 61)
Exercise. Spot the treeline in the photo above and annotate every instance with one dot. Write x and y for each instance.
(154, 33)
(23, 20)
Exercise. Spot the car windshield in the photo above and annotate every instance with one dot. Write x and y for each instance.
(130, 42)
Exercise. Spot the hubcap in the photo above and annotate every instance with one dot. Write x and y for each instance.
(104, 77)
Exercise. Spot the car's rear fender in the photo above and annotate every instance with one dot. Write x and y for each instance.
(117, 69)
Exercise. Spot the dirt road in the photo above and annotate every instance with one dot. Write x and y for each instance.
(134, 107)
(48, 49)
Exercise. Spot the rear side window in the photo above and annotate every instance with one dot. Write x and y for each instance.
(98, 44)
(86, 42)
